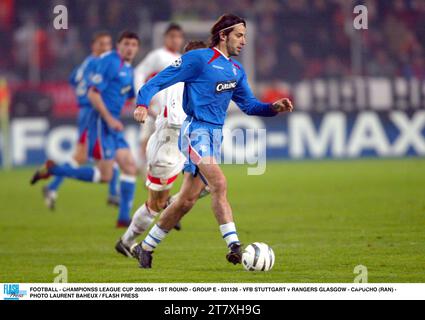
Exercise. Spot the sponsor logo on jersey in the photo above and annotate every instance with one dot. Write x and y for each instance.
(225, 86)
(97, 78)
(126, 89)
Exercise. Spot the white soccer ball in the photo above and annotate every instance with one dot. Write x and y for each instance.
(258, 257)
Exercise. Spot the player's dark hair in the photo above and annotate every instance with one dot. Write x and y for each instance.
(225, 21)
(192, 45)
(173, 27)
(100, 34)
(128, 35)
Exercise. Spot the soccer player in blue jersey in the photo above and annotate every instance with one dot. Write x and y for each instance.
(110, 87)
(80, 79)
(212, 78)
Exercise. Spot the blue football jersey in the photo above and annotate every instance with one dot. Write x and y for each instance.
(114, 79)
(80, 80)
(211, 81)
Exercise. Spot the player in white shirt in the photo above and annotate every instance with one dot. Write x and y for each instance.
(164, 161)
(154, 62)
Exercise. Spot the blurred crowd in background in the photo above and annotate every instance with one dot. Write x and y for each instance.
(296, 39)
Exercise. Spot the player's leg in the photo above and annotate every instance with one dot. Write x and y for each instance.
(87, 174)
(188, 195)
(113, 190)
(105, 169)
(80, 154)
(50, 192)
(146, 131)
(79, 158)
(159, 181)
(127, 188)
(217, 183)
(99, 146)
(157, 200)
(142, 219)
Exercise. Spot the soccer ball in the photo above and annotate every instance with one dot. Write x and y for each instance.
(258, 257)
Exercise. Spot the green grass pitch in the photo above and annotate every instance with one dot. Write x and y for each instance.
(322, 219)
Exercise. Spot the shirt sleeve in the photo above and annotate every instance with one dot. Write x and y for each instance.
(104, 72)
(184, 69)
(246, 101)
(73, 77)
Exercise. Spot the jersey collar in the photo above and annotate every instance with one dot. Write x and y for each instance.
(215, 48)
(123, 62)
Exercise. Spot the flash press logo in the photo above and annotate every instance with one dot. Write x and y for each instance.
(13, 292)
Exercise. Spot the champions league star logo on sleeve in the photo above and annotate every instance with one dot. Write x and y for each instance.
(177, 63)
(12, 292)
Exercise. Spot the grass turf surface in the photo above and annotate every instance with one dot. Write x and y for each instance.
(321, 218)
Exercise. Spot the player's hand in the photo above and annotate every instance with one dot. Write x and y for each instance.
(140, 114)
(283, 105)
(115, 124)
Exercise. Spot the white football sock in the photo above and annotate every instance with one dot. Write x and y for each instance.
(73, 163)
(228, 231)
(141, 221)
(154, 238)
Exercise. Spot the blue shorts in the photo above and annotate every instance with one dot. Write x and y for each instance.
(83, 123)
(198, 140)
(104, 141)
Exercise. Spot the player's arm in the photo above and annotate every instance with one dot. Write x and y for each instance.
(104, 73)
(247, 102)
(186, 68)
(97, 103)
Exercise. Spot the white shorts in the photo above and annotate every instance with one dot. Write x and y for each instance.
(165, 161)
(147, 129)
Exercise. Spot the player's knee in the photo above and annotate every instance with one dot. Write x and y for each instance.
(129, 169)
(80, 159)
(186, 204)
(105, 178)
(219, 186)
(106, 175)
(157, 204)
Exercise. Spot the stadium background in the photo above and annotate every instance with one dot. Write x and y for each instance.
(307, 50)
(358, 93)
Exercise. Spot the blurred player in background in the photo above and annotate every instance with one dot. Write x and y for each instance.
(154, 62)
(164, 160)
(110, 87)
(211, 80)
(79, 79)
